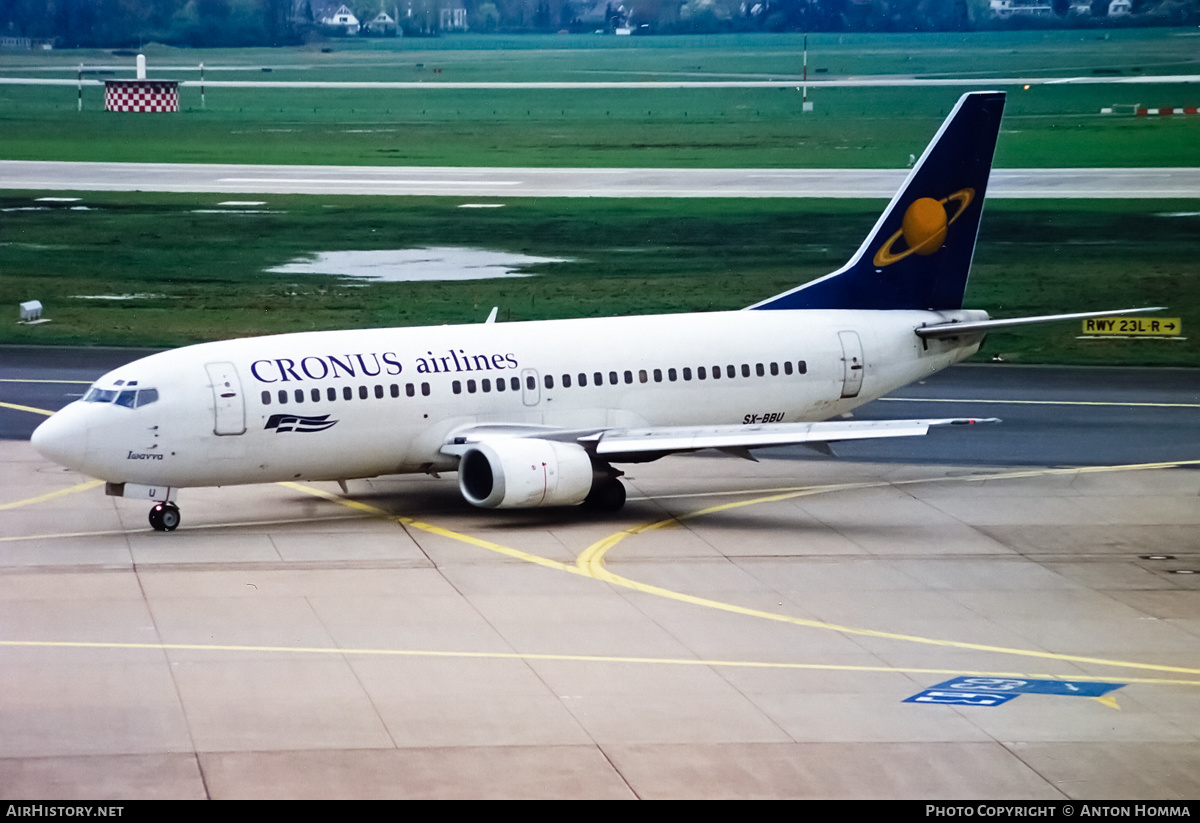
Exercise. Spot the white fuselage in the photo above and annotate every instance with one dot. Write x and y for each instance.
(360, 403)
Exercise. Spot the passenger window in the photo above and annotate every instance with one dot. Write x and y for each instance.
(266, 398)
(470, 386)
(672, 375)
(316, 395)
(701, 373)
(395, 390)
(486, 385)
(362, 392)
(127, 398)
(658, 375)
(549, 381)
(745, 370)
(642, 376)
(331, 394)
(774, 369)
(299, 395)
(410, 389)
(378, 391)
(787, 367)
(582, 379)
(612, 377)
(566, 381)
(599, 379)
(282, 396)
(628, 377)
(716, 372)
(456, 387)
(347, 393)
(730, 371)
(424, 389)
(530, 383)
(802, 367)
(687, 373)
(759, 370)
(515, 384)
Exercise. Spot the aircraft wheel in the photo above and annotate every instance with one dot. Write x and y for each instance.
(164, 517)
(607, 496)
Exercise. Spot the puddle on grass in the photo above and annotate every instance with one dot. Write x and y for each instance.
(406, 265)
(117, 296)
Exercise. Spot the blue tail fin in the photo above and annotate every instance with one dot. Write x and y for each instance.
(919, 254)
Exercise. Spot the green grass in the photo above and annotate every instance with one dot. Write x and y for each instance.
(1045, 126)
(628, 257)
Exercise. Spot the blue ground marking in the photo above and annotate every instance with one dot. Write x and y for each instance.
(996, 691)
(962, 698)
(1006, 685)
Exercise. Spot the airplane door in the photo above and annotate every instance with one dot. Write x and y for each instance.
(852, 363)
(530, 393)
(228, 404)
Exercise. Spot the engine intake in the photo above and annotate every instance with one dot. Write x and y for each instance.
(521, 473)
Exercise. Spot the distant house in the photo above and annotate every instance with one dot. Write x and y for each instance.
(1119, 8)
(382, 25)
(453, 17)
(341, 21)
(1003, 9)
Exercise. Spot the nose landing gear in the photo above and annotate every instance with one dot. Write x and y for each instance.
(164, 517)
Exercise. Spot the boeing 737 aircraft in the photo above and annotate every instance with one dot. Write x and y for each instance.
(537, 414)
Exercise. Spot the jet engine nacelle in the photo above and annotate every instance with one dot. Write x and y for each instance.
(520, 473)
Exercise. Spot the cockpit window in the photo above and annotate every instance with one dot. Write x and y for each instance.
(129, 398)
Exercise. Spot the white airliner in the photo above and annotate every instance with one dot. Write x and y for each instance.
(536, 414)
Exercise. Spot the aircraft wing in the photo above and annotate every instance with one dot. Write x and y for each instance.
(690, 438)
(666, 439)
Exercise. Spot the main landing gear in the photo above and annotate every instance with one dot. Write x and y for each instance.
(164, 517)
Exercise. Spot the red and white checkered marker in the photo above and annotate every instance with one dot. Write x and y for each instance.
(141, 95)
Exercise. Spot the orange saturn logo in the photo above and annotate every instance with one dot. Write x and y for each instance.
(924, 227)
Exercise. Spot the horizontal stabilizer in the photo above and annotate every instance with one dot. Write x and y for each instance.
(980, 326)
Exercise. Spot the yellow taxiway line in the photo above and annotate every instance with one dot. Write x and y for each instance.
(590, 562)
(581, 658)
(89, 484)
(30, 409)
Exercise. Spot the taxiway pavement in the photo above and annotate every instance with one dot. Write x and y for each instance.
(738, 630)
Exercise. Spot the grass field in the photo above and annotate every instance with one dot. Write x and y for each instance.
(206, 272)
(1047, 125)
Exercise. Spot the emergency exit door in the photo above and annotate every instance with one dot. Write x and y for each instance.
(852, 363)
(229, 407)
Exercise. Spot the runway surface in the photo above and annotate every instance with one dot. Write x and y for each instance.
(739, 630)
(542, 182)
(795, 81)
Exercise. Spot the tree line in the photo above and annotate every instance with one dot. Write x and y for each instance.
(212, 23)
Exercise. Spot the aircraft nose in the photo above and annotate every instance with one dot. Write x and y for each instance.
(60, 439)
